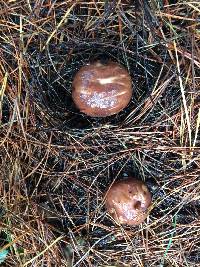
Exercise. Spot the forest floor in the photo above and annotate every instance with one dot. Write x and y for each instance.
(56, 163)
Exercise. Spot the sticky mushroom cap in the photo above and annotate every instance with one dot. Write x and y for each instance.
(101, 90)
(127, 201)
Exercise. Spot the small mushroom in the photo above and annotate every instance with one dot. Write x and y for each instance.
(101, 90)
(127, 201)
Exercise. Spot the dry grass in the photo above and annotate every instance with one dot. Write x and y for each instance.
(57, 163)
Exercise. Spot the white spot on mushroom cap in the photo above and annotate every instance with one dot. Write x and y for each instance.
(101, 100)
(106, 80)
(113, 79)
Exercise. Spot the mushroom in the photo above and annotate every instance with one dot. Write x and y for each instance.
(101, 90)
(127, 201)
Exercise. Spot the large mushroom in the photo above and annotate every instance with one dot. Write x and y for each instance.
(128, 201)
(101, 90)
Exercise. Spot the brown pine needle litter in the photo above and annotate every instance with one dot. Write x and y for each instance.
(56, 163)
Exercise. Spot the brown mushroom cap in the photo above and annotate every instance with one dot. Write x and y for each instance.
(101, 90)
(127, 201)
